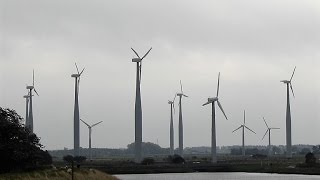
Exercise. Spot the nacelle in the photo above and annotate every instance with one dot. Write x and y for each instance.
(212, 99)
(75, 75)
(29, 87)
(136, 59)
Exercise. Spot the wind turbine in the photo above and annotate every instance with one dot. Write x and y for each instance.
(27, 109)
(171, 125)
(30, 116)
(180, 120)
(76, 118)
(268, 131)
(244, 126)
(213, 128)
(90, 131)
(138, 109)
(288, 115)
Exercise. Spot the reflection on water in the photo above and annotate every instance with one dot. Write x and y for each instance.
(217, 176)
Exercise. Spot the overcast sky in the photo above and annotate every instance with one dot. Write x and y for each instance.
(253, 43)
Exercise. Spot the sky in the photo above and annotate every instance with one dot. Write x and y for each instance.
(253, 44)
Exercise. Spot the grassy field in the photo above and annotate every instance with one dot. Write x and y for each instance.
(83, 174)
(201, 163)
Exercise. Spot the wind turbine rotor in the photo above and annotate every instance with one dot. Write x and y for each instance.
(77, 68)
(85, 122)
(291, 89)
(206, 103)
(218, 86)
(265, 134)
(181, 87)
(237, 128)
(136, 53)
(293, 73)
(244, 117)
(96, 123)
(146, 54)
(265, 122)
(220, 106)
(250, 129)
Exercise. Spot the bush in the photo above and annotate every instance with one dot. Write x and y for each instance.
(310, 159)
(177, 159)
(147, 161)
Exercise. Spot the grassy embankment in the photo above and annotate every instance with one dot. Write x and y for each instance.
(276, 164)
(51, 174)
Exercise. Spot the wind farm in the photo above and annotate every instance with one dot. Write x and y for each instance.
(180, 87)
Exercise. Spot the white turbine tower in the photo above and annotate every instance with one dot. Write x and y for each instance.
(213, 128)
(180, 120)
(76, 117)
(288, 116)
(243, 126)
(172, 110)
(138, 109)
(27, 109)
(90, 131)
(30, 115)
(269, 132)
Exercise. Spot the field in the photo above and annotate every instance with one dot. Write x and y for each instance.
(201, 163)
(51, 174)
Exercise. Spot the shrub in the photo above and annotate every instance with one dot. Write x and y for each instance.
(147, 161)
(177, 159)
(310, 159)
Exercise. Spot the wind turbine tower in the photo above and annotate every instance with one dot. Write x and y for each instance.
(30, 115)
(76, 117)
(288, 116)
(90, 131)
(243, 126)
(27, 109)
(138, 109)
(180, 120)
(213, 128)
(269, 132)
(172, 109)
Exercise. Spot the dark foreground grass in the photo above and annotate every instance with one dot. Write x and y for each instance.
(50, 174)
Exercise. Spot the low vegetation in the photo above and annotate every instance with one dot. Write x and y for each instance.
(83, 174)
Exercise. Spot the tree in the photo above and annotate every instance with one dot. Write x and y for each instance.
(19, 148)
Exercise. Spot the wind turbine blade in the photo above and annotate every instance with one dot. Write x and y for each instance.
(274, 128)
(250, 129)
(185, 95)
(77, 68)
(33, 77)
(218, 84)
(244, 117)
(222, 109)
(265, 122)
(135, 53)
(146, 53)
(96, 123)
(293, 73)
(35, 91)
(174, 97)
(174, 109)
(291, 89)
(82, 71)
(265, 133)
(85, 122)
(206, 103)
(237, 129)
(181, 87)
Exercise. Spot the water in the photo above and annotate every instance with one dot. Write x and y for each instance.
(217, 176)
